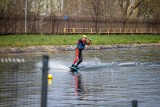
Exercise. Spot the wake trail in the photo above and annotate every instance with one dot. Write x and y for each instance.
(55, 64)
(95, 63)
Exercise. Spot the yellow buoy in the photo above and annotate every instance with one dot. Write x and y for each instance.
(50, 76)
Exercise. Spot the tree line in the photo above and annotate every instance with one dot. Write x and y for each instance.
(96, 10)
(125, 9)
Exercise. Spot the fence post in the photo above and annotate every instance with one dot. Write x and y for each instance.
(134, 103)
(65, 30)
(44, 81)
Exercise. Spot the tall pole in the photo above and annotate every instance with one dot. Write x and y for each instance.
(26, 7)
(44, 81)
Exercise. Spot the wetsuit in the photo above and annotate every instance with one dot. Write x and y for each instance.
(80, 46)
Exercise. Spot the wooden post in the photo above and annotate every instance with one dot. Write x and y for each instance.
(91, 30)
(64, 30)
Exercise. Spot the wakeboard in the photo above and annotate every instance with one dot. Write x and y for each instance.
(73, 69)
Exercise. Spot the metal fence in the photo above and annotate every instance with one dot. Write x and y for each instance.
(21, 85)
(57, 25)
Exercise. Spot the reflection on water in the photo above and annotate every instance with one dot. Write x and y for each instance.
(110, 78)
(78, 84)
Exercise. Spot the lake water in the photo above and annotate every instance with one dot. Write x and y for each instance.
(108, 78)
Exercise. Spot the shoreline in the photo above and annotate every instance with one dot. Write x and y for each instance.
(55, 49)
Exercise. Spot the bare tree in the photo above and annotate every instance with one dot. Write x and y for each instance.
(8, 11)
(95, 9)
(72, 7)
(128, 7)
(149, 9)
(110, 8)
(11, 7)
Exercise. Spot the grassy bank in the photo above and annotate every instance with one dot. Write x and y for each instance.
(48, 40)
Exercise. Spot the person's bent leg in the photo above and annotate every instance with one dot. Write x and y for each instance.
(76, 57)
(80, 57)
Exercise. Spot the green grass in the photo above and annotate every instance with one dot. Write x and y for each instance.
(48, 40)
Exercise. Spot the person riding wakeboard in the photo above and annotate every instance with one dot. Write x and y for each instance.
(78, 51)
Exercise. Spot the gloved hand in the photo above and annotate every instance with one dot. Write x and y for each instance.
(89, 39)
